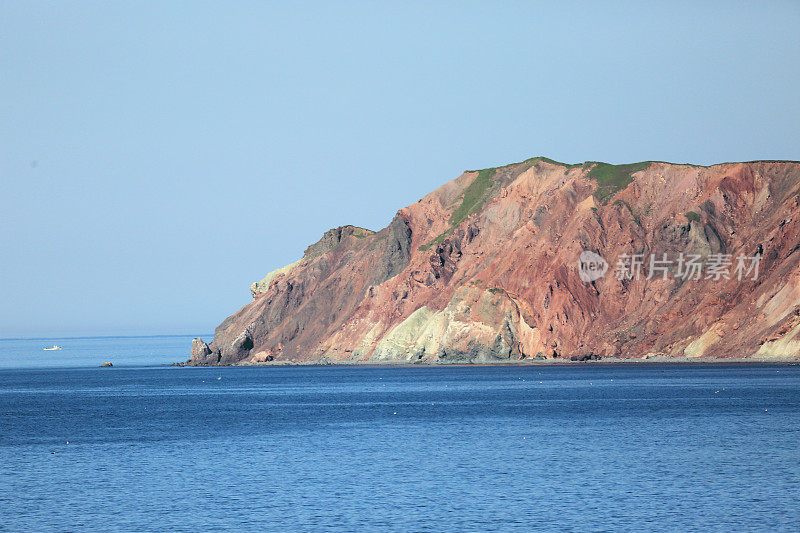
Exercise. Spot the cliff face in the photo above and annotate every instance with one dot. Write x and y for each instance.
(486, 268)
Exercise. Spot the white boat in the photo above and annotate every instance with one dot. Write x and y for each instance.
(55, 347)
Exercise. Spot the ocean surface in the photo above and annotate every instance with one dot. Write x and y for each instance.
(93, 351)
(562, 448)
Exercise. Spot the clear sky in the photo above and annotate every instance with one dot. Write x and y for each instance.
(158, 157)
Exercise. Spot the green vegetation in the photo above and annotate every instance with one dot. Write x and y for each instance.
(439, 238)
(495, 290)
(692, 216)
(528, 163)
(610, 178)
(630, 210)
(473, 198)
(554, 162)
(613, 178)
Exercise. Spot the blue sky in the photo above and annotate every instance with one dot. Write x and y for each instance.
(158, 157)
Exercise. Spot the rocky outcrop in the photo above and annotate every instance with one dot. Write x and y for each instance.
(200, 354)
(331, 240)
(263, 285)
(328, 242)
(490, 267)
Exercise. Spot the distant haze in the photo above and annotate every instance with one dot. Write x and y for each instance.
(156, 159)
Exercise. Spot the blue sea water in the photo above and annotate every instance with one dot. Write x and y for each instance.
(568, 448)
(93, 351)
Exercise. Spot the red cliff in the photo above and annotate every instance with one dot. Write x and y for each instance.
(488, 268)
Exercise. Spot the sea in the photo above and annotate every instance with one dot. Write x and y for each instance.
(143, 446)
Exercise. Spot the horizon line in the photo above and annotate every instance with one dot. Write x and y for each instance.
(100, 337)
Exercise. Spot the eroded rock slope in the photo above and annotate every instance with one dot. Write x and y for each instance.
(486, 268)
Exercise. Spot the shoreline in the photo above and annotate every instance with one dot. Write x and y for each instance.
(546, 362)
